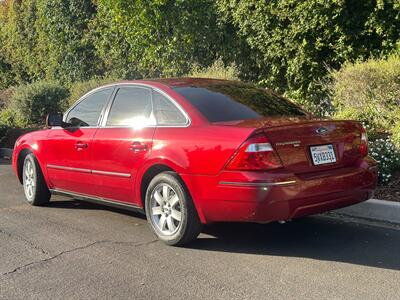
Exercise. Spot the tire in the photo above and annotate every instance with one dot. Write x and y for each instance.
(35, 188)
(170, 210)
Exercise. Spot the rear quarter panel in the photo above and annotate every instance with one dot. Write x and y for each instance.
(202, 150)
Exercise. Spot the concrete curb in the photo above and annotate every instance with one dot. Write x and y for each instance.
(6, 153)
(373, 209)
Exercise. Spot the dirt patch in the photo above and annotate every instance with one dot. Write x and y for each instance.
(391, 191)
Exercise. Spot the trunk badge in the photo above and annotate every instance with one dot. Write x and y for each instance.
(294, 143)
(321, 130)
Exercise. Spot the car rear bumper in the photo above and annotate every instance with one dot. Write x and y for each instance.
(266, 197)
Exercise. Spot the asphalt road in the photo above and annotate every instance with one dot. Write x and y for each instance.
(77, 250)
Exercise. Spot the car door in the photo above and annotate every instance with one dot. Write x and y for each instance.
(69, 150)
(123, 142)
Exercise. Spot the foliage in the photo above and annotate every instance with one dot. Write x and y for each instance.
(388, 157)
(6, 74)
(31, 103)
(370, 92)
(396, 134)
(5, 96)
(375, 127)
(46, 39)
(217, 70)
(18, 39)
(297, 41)
(78, 89)
(3, 131)
(164, 39)
(287, 45)
(62, 27)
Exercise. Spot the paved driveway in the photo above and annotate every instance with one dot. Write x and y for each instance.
(74, 250)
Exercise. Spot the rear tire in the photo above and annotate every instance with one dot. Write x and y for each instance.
(170, 210)
(36, 191)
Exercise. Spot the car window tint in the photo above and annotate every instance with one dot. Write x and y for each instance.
(166, 112)
(87, 112)
(132, 106)
(235, 101)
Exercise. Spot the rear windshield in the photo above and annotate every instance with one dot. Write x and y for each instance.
(233, 101)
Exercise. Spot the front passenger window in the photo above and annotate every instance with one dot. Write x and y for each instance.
(87, 112)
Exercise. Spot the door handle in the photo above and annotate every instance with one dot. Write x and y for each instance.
(81, 146)
(138, 147)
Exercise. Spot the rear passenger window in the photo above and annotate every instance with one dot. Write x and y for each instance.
(166, 112)
(131, 107)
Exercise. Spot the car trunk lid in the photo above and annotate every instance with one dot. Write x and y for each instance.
(297, 139)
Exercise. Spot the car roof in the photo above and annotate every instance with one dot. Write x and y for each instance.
(183, 82)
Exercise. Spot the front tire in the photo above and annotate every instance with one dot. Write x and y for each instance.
(170, 210)
(35, 188)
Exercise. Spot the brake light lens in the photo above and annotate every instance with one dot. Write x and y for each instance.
(255, 154)
(363, 148)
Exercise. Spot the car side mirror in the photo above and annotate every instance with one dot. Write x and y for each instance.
(54, 120)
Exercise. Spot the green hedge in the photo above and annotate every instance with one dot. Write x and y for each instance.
(217, 70)
(78, 89)
(396, 134)
(370, 92)
(31, 103)
(3, 131)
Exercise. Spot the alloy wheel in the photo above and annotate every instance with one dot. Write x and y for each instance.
(29, 179)
(166, 214)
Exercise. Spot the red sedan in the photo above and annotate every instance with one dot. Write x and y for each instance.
(194, 151)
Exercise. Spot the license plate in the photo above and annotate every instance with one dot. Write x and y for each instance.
(324, 154)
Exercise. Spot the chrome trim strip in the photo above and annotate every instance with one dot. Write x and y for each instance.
(98, 200)
(125, 175)
(257, 184)
(69, 169)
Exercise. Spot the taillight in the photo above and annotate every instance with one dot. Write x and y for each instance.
(255, 154)
(363, 148)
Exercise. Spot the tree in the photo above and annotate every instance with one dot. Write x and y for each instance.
(298, 41)
(18, 40)
(47, 39)
(158, 38)
(66, 51)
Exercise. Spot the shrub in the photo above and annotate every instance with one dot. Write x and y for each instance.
(387, 155)
(7, 117)
(370, 92)
(297, 40)
(3, 131)
(78, 89)
(32, 102)
(158, 38)
(375, 127)
(217, 70)
(396, 135)
(5, 97)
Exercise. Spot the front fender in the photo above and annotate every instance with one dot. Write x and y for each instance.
(28, 144)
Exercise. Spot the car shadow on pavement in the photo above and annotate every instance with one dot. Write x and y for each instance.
(70, 203)
(318, 238)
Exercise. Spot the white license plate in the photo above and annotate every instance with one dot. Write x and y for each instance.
(324, 154)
